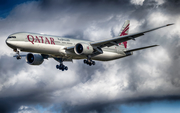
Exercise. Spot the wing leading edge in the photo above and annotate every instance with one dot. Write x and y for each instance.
(117, 40)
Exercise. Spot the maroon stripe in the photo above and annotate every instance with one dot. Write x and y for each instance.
(126, 27)
(124, 33)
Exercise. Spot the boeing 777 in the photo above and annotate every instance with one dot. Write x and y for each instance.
(41, 46)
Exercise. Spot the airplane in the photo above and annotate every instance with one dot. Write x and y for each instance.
(62, 49)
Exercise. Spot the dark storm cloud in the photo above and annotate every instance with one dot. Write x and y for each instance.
(173, 69)
(91, 108)
(12, 104)
(8, 105)
(110, 107)
(78, 16)
(172, 7)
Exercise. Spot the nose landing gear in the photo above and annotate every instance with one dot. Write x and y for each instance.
(18, 57)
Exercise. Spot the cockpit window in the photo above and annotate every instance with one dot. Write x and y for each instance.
(12, 37)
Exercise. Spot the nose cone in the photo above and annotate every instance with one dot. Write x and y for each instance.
(7, 42)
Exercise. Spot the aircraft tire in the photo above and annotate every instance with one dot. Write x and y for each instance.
(85, 61)
(18, 57)
(66, 68)
(57, 66)
(93, 63)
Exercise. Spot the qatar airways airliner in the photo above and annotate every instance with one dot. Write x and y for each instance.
(62, 49)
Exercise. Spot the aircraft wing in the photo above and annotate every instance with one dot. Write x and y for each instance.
(117, 40)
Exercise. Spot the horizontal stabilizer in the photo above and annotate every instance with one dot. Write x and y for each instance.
(137, 49)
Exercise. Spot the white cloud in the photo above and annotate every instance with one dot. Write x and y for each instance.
(137, 2)
(27, 109)
(160, 2)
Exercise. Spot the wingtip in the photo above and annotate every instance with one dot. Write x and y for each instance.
(154, 45)
(170, 24)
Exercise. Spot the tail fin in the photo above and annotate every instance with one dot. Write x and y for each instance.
(124, 31)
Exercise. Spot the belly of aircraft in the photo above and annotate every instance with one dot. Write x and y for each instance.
(106, 56)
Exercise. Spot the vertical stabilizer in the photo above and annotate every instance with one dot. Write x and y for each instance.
(124, 31)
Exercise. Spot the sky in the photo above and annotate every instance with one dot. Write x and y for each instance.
(146, 82)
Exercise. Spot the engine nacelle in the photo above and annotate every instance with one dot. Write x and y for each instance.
(83, 48)
(34, 59)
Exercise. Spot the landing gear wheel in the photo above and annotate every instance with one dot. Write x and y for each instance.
(85, 61)
(18, 57)
(89, 62)
(93, 63)
(61, 67)
(66, 68)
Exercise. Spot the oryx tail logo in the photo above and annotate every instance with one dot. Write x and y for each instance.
(123, 33)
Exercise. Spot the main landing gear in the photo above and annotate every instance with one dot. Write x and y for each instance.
(89, 61)
(18, 57)
(61, 67)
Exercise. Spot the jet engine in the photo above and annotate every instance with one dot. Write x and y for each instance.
(83, 48)
(34, 59)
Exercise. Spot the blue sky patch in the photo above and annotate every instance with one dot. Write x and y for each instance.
(7, 5)
(153, 107)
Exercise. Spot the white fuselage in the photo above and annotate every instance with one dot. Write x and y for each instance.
(54, 46)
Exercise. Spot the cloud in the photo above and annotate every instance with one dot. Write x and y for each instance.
(146, 76)
(137, 2)
(26, 109)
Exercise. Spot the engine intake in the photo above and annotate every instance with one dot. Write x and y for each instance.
(83, 48)
(34, 59)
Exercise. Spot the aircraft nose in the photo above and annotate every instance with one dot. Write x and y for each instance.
(8, 42)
